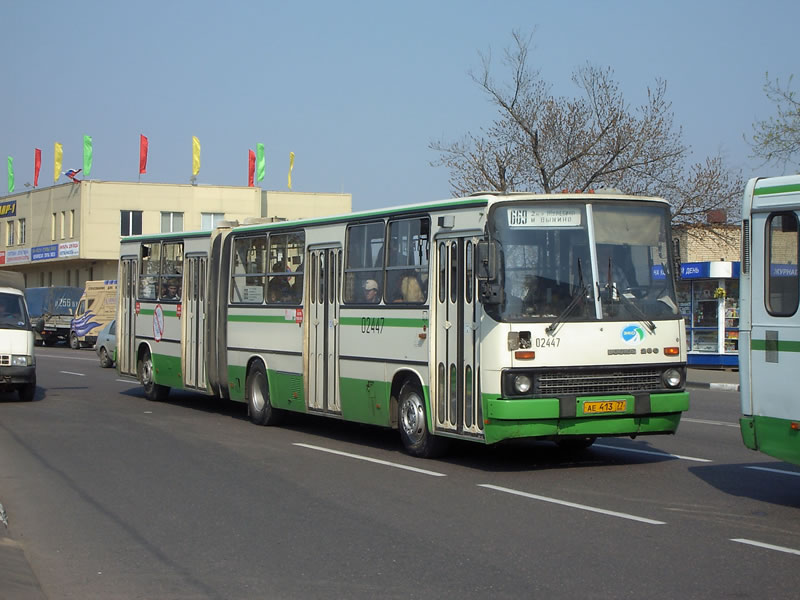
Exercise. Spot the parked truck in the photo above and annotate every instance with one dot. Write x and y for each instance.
(56, 306)
(97, 306)
(17, 360)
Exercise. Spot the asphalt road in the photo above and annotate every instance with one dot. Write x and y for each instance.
(112, 496)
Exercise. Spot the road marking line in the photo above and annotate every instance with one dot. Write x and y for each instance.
(64, 357)
(73, 373)
(704, 422)
(774, 471)
(661, 454)
(131, 381)
(372, 460)
(573, 504)
(767, 546)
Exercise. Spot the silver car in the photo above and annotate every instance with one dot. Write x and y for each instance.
(106, 345)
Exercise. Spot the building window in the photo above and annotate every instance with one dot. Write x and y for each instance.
(131, 222)
(72, 223)
(10, 225)
(53, 226)
(171, 221)
(21, 231)
(210, 220)
(63, 222)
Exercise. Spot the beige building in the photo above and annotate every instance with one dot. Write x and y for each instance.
(69, 234)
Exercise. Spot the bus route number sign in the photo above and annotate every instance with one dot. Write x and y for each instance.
(544, 216)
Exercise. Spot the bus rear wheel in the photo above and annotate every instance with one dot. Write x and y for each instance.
(413, 424)
(259, 407)
(152, 390)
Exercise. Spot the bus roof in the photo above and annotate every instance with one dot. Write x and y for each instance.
(475, 200)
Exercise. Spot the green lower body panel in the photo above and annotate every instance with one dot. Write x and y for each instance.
(591, 416)
(167, 371)
(774, 437)
(365, 401)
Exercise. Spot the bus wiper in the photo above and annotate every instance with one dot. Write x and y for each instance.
(577, 298)
(637, 312)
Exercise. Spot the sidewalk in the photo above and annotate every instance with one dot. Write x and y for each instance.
(715, 379)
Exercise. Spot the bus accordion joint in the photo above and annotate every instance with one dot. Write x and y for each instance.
(672, 351)
(524, 354)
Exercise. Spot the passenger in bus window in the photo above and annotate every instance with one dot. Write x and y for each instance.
(171, 291)
(371, 293)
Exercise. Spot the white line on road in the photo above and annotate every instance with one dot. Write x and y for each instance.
(372, 460)
(774, 471)
(704, 422)
(65, 357)
(72, 373)
(767, 546)
(661, 454)
(572, 504)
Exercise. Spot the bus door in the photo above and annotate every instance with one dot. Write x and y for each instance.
(774, 301)
(193, 307)
(323, 329)
(455, 391)
(126, 328)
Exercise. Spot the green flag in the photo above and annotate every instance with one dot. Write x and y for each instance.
(259, 162)
(87, 155)
(10, 175)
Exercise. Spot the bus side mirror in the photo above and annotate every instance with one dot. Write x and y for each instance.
(676, 258)
(486, 261)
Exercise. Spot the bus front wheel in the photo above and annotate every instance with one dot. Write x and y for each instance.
(413, 424)
(152, 390)
(258, 405)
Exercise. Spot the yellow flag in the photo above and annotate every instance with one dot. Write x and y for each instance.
(58, 154)
(291, 166)
(195, 156)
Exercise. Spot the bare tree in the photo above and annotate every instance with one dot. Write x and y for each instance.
(545, 143)
(777, 139)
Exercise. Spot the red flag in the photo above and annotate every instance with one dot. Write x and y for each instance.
(142, 154)
(252, 169)
(37, 164)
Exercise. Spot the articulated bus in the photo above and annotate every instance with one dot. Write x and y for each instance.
(769, 326)
(483, 318)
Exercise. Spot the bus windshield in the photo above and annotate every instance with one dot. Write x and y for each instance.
(579, 262)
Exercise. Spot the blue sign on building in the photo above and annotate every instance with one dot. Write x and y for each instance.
(44, 252)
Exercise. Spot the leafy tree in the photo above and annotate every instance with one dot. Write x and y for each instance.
(777, 139)
(545, 143)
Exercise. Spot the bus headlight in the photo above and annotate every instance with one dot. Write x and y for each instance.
(20, 360)
(522, 384)
(672, 378)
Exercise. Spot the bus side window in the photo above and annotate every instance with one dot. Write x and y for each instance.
(782, 289)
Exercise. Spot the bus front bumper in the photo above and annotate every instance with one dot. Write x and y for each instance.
(587, 416)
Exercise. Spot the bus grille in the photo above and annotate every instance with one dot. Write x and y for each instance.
(551, 384)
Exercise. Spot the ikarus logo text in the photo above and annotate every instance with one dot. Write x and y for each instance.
(633, 335)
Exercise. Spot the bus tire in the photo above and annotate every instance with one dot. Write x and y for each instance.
(259, 407)
(73, 341)
(412, 422)
(152, 390)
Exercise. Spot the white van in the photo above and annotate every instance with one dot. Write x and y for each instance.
(17, 361)
(96, 308)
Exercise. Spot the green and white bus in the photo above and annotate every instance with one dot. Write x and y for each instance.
(769, 326)
(483, 318)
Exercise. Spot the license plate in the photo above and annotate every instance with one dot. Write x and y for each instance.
(606, 406)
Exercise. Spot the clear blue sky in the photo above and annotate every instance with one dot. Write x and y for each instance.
(357, 90)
